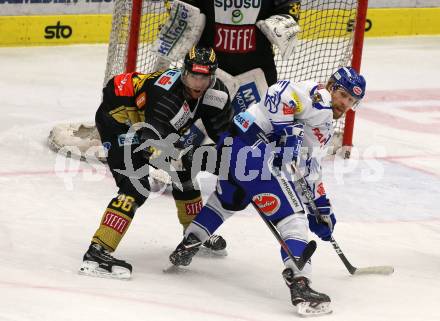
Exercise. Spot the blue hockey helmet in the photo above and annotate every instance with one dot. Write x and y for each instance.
(350, 80)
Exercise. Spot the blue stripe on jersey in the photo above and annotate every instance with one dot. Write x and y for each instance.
(279, 126)
(320, 107)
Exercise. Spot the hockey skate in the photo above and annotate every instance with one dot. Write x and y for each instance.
(98, 262)
(308, 301)
(214, 246)
(183, 254)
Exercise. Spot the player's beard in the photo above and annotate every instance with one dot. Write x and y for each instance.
(338, 112)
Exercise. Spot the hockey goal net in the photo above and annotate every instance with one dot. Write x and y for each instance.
(331, 36)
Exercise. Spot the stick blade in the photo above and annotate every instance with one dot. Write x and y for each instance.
(384, 270)
(306, 255)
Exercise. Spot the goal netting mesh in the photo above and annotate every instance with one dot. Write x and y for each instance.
(325, 43)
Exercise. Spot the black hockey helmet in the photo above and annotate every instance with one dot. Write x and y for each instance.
(201, 60)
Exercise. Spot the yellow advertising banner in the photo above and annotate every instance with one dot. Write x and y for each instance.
(90, 28)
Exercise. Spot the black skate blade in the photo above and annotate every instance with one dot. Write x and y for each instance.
(306, 255)
(304, 309)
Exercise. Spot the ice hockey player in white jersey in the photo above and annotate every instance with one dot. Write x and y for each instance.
(293, 123)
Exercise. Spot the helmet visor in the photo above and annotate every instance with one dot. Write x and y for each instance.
(197, 81)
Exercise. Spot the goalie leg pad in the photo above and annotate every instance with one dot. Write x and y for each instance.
(180, 32)
(115, 221)
(253, 86)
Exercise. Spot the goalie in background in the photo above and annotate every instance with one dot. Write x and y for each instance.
(242, 34)
(162, 106)
(292, 124)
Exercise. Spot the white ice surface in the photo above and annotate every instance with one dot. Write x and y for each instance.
(385, 198)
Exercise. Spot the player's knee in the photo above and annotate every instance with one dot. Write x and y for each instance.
(137, 188)
(214, 202)
(212, 215)
(293, 226)
(232, 197)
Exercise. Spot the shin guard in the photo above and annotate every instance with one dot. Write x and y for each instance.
(188, 205)
(115, 221)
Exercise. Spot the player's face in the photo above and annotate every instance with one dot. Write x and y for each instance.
(196, 84)
(341, 102)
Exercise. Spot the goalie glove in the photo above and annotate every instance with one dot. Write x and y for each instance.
(281, 31)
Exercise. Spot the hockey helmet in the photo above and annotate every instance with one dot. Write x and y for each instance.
(352, 82)
(201, 60)
(198, 71)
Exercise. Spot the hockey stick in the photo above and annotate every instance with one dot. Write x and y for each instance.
(311, 246)
(306, 254)
(384, 269)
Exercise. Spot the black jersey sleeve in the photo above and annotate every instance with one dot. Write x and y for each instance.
(289, 7)
(218, 119)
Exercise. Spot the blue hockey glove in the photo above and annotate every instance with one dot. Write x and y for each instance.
(290, 142)
(324, 224)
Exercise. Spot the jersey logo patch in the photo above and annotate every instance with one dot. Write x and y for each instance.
(268, 203)
(193, 208)
(234, 39)
(115, 222)
(288, 110)
(317, 99)
(243, 12)
(123, 85)
(215, 98)
(141, 100)
(320, 189)
(167, 79)
(296, 102)
(128, 139)
(320, 136)
(244, 120)
(181, 117)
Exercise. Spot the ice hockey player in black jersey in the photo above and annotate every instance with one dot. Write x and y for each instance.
(158, 108)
